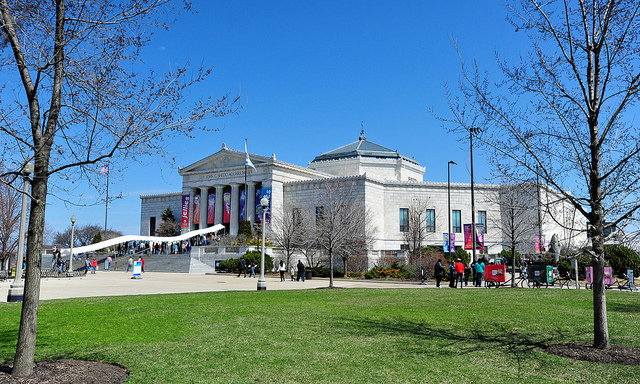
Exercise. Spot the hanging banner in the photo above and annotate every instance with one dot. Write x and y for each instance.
(258, 217)
(480, 237)
(196, 209)
(468, 241)
(226, 202)
(540, 240)
(243, 199)
(452, 242)
(264, 192)
(445, 242)
(184, 223)
(211, 209)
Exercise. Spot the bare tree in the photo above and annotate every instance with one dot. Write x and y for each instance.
(562, 113)
(82, 96)
(9, 220)
(286, 231)
(342, 224)
(83, 235)
(416, 232)
(518, 218)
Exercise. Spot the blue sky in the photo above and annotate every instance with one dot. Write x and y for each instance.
(308, 74)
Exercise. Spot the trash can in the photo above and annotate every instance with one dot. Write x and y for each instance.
(308, 274)
(544, 273)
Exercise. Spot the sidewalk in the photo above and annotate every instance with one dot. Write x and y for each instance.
(118, 283)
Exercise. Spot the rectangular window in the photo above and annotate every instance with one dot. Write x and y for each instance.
(431, 220)
(404, 219)
(456, 221)
(297, 218)
(482, 219)
(152, 226)
(319, 214)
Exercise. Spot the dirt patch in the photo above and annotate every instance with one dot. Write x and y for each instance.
(68, 372)
(616, 354)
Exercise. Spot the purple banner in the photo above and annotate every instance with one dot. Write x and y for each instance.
(243, 205)
(196, 209)
(185, 212)
(226, 202)
(211, 209)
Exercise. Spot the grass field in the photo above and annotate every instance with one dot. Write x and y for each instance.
(334, 336)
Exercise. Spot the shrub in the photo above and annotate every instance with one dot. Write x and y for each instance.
(394, 271)
(621, 258)
(565, 269)
(326, 272)
(231, 265)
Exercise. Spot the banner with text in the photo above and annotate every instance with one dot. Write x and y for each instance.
(226, 206)
(184, 223)
(480, 237)
(468, 241)
(540, 240)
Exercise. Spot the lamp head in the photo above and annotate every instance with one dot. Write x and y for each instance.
(264, 202)
(453, 162)
(73, 219)
(27, 167)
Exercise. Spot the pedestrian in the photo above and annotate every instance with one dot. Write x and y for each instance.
(129, 265)
(107, 264)
(300, 270)
(438, 271)
(282, 269)
(467, 272)
(87, 264)
(253, 269)
(243, 267)
(479, 272)
(94, 265)
(459, 272)
(141, 264)
(452, 275)
(293, 273)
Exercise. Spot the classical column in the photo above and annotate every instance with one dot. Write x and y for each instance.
(204, 201)
(235, 209)
(251, 202)
(219, 206)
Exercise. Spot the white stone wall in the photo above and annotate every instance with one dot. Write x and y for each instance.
(153, 205)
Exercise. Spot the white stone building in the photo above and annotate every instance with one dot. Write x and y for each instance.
(216, 188)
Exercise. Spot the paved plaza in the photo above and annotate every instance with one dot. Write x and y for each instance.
(118, 283)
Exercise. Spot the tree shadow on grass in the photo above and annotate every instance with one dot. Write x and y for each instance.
(623, 307)
(518, 345)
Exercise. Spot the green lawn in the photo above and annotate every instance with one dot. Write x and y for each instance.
(334, 336)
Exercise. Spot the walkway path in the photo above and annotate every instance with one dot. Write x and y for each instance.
(118, 283)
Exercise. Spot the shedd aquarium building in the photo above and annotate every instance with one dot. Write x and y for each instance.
(218, 190)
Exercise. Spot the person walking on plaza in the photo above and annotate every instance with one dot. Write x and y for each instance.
(107, 264)
(94, 265)
(87, 264)
(141, 264)
(459, 272)
(438, 271)
(300, 270)
(253, 269)
(282, 269)
(243, 267)
(293, 273)
(129, 265)
(479, 272)
(452, 275)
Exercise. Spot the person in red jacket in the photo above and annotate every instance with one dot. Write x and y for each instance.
(459, 272)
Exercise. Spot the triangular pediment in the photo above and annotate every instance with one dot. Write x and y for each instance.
(224, 159)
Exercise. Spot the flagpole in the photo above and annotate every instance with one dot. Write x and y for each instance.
(106, 205)
(246, 192)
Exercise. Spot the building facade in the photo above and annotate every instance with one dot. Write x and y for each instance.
(222, 189)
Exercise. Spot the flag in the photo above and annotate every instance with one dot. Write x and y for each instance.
(104, 169)
(247, 160)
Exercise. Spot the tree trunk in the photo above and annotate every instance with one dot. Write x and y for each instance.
(600, 325)
(25, 349)
(330, 270)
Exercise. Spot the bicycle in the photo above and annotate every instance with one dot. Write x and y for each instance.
(567, 282)
(626, 284)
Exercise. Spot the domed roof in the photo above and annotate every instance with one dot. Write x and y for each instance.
(362, 148)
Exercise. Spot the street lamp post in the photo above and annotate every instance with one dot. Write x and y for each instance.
(73, 225)
(262, 285)
(473, 131)
(16, 290)
(449, 202)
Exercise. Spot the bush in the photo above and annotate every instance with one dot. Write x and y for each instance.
(621, 258)
(326, 272)
(506, 254)
(231, 265)
(394, 271)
